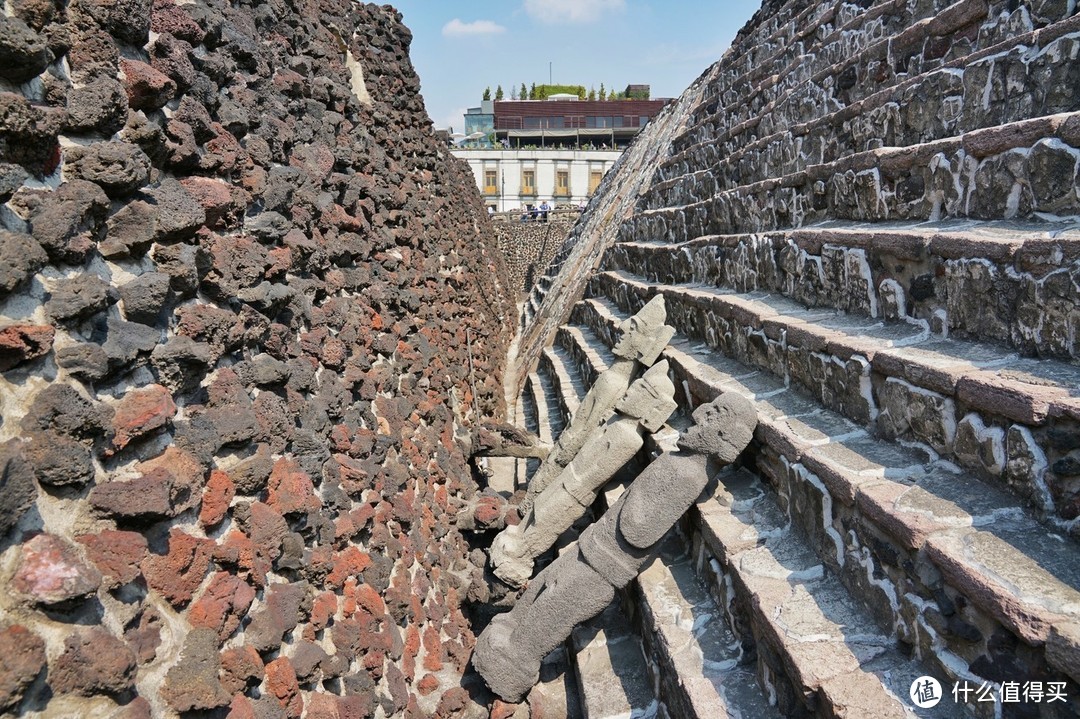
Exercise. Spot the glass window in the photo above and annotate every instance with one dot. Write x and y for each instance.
(491, 181)
(528, 182)
(562, 182)
(594, 180)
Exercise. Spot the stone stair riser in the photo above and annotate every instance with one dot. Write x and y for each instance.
(788, 102)
(1002, 290)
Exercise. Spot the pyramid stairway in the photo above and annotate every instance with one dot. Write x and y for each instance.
(865, 220)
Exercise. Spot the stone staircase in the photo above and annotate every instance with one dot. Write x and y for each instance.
(864, 218)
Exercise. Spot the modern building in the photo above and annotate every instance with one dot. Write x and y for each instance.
(511, 179)
(523, 152)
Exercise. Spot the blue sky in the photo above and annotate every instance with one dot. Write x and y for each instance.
(461, 47)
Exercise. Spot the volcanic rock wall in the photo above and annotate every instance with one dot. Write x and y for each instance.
(250, 311)
(528, 247)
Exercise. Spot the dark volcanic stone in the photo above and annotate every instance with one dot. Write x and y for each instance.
(251, 475)
(93, 662)
(78, 298)
(58, 460)
(61, 408)
(23, 53)
(85, 361)
(179, 215)
(125, 340)
(119, 168)
(28, 134)
(193, 683)
(144, 297)
(131, 231)
(17, 489)
(184, 264)
(23, 256)
(171, 57)
(128, 20)
(99, 106)
(181, 363)
(70, 220)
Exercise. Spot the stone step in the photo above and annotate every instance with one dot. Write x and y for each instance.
(934, 272)
(568, 387)
(768, 50)
(557, 695)
(553, 379)
(590, 358)
(823, 142)
(702, 669)
(776, 104)
(817, 649)
(975, 404)
(611, 670)
(537, 412)
(952, 564)
(866, 185)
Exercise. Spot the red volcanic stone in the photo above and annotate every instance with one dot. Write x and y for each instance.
(140, 412)
(267, 529)
(453, 703)
(51, 571)
(240, 667)
(214, 196)
(291, 489)
(427, 685)
(168, 485)
(347, 563)
(241, 708)
(281, 683)
(281, 261)
(334, 353)
(177, 574)
(93, 662)
(489, 511)
(222, 605)
(502, 710)
(369, 599)
(322, 609)
(168, 17)
(432, 649)
(238, 550)
(21, 343)
(146, 88)
(219, 492)
(116, 554)
(322, 706)
(21, 661)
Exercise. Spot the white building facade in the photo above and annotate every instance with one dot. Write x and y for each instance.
(511, 179)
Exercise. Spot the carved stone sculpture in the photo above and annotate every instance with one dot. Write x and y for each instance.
(643, 338)
(582, 581)
(644, 408)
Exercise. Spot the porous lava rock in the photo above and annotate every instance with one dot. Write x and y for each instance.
(240, 429)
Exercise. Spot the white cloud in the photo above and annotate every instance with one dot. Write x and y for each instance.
(457, 28)
(555, 12)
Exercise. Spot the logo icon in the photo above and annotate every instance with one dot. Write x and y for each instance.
(925, 692)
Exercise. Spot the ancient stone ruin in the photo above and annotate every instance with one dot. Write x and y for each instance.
(863, 219)
(266, 433)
